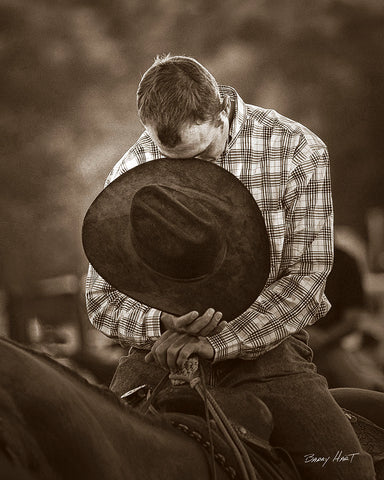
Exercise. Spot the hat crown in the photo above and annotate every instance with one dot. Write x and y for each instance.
(175, 233)
(194, 239)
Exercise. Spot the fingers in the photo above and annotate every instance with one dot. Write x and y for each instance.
(173, 349)
(193, 345)
(220, 327)
(210, 324)
(185, 352)
(171, 322)
(187, 319)
(166, 349)
(204, 324)
(192, 323)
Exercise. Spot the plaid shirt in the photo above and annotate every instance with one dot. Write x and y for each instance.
(286, 168)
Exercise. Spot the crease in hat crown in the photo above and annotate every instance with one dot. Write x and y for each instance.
(175, 233)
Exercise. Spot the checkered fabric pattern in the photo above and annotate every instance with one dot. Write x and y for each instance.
(286, 168)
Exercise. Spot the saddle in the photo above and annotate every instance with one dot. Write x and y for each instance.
(236, 406)
(185, 409)
(370, 435)
(269, 463)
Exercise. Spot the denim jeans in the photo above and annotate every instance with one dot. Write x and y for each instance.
(308, 423)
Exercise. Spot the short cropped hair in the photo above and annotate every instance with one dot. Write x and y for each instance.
(174, 91)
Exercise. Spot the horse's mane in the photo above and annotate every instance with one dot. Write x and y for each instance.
(101, 389)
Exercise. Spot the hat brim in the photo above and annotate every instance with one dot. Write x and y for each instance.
(231, 289)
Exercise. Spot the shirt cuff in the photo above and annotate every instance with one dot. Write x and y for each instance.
(152, 323)
(225, 344)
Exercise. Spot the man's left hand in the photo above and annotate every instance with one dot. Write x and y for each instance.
(172, 349)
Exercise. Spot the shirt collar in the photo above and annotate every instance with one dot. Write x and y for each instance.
(240, 114)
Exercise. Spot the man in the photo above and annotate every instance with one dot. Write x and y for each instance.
(264, 349)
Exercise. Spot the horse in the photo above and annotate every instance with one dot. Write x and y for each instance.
(54, 424)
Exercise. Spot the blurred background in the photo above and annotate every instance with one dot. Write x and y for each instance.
(70, 70)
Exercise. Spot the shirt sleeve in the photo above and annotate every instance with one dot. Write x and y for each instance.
(296, 298)
(116, 315)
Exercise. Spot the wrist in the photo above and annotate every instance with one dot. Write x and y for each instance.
(207, 350)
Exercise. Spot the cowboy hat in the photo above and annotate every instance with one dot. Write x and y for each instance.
(179, 235)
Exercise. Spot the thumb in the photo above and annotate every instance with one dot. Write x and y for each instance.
(149, 358)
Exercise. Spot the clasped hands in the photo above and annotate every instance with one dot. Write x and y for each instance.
(184, 336)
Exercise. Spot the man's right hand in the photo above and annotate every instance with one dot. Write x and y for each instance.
(192, 323)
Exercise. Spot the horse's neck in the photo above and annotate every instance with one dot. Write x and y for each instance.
(111, 441)
(153, 446)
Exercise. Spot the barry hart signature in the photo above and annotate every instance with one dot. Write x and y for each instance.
(339, 457)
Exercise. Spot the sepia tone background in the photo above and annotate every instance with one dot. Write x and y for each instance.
(69, 75)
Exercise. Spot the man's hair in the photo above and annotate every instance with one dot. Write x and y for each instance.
(175, 91)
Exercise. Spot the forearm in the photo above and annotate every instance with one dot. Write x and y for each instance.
(118, 316)
(277, 313)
